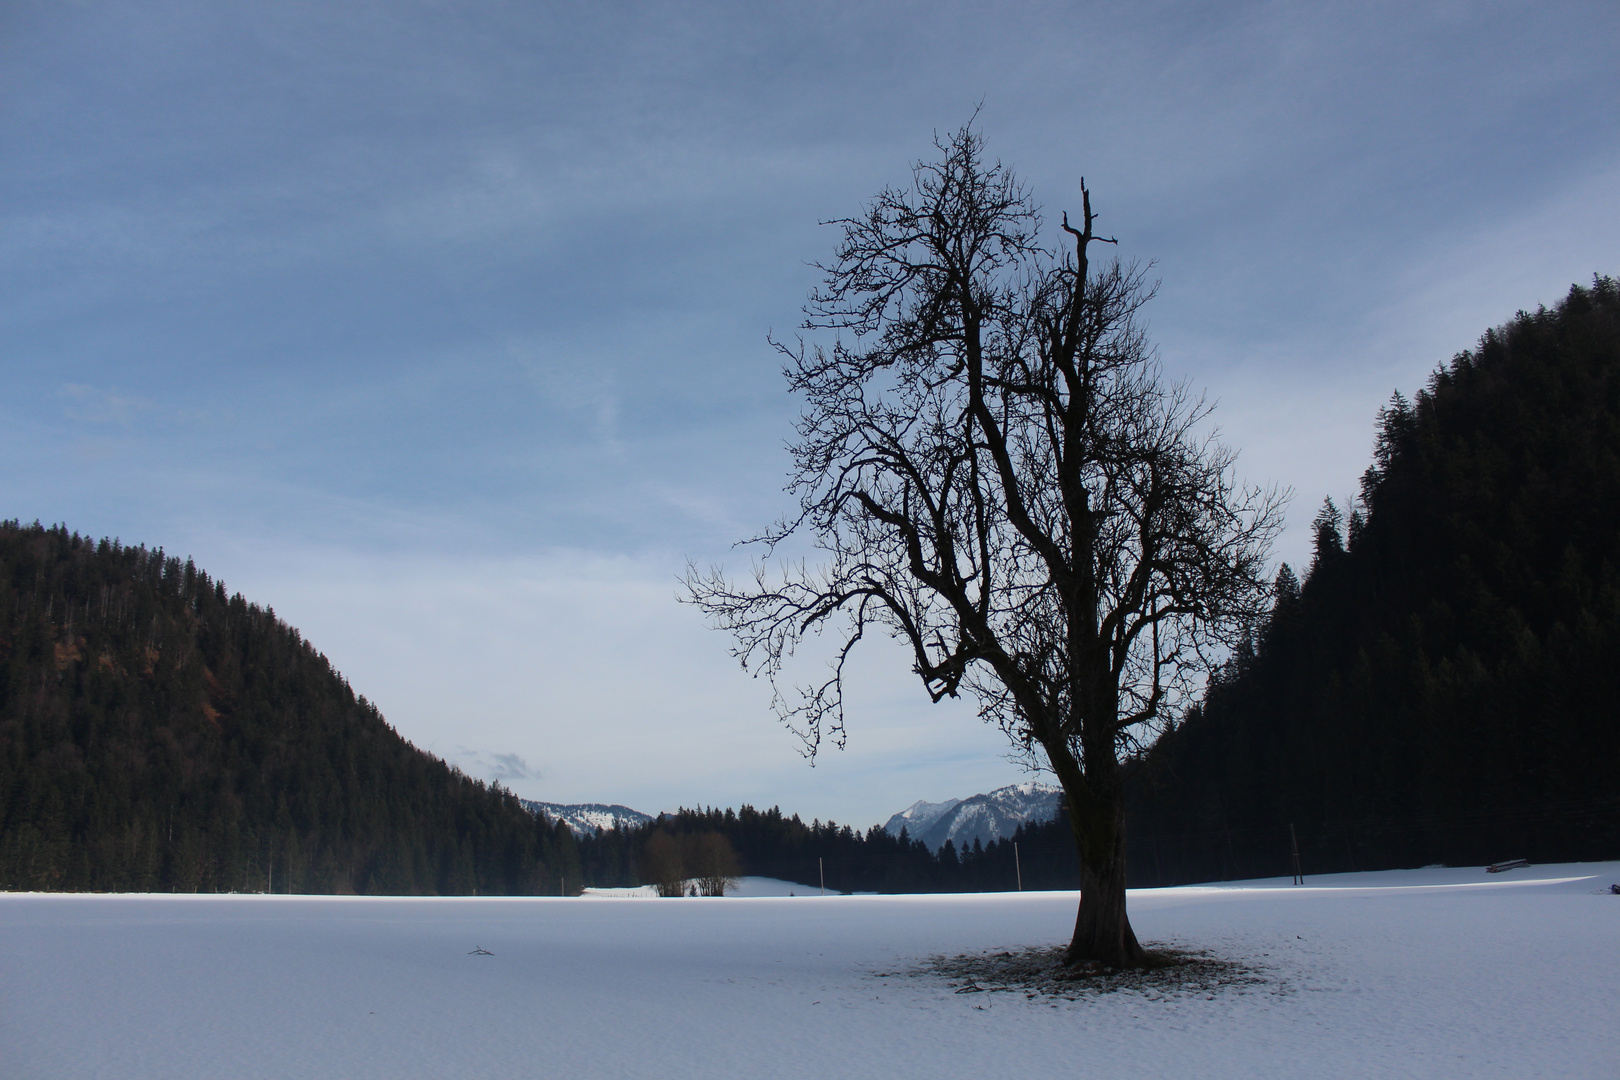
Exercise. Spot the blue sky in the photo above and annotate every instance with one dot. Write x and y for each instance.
(440, 328)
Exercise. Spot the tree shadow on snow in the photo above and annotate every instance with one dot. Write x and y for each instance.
(1170, 972)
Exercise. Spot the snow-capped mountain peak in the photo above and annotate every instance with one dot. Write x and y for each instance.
(986, 817)
(917, 817)
(586, 818)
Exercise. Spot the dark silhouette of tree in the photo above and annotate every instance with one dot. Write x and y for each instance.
(997, 475)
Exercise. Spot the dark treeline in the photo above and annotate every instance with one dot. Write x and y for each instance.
(159, 734)
(1439, 687)
(769, 844)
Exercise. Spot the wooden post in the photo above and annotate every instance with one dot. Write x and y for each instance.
(822, 867)
(1018, 866)
(1299, 878)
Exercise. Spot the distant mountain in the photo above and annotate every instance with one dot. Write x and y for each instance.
(586, 818)
(917, 817)
(985, 818)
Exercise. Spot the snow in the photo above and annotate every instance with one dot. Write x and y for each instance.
(630, 892)
(1426, 973)
(764, 886)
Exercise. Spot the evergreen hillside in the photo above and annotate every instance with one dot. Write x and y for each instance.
(1439, 688)
(159, 734)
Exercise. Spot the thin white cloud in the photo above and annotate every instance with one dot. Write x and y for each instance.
(589, 665)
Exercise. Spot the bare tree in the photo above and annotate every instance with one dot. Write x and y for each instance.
(712, 861)
(663, 864)
(996, 475)
(696, 864)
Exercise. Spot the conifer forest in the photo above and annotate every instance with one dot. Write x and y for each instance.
(157, 734)
(1434, 688)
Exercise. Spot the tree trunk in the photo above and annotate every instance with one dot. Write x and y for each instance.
(1102, 929)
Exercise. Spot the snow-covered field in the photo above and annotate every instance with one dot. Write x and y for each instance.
(1424, 973)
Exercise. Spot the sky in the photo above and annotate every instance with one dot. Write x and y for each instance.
(440, 328)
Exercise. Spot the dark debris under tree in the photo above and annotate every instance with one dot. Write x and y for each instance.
(1039, 972)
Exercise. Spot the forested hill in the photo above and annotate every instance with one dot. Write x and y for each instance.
(1440, 687)
(159, 734)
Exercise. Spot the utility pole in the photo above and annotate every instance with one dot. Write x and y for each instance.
(1299, 878)
(1018, 866)
(821, 866)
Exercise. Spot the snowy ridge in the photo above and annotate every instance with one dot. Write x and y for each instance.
(917, 817)
(986, 818)
(586, 818)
